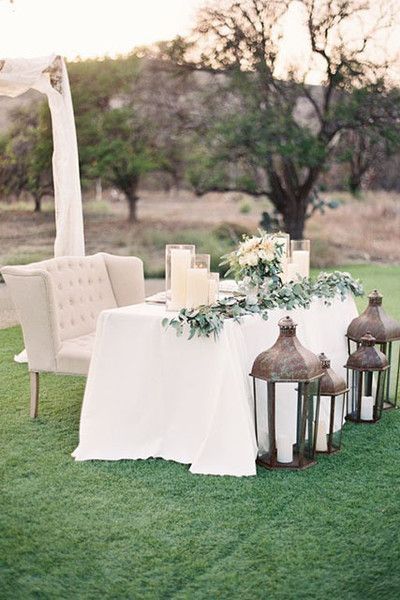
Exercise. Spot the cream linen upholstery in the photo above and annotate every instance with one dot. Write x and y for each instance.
(58, 302)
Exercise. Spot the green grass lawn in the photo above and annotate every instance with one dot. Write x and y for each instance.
(150, 529)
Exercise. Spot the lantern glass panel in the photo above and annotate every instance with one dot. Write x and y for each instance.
(392, 386)
(392, 351)
(281, 446)
(338, 404)
(380, 394)
(308, 410)
(367, 395)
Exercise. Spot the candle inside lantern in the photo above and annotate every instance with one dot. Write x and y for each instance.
(181, 260)
(322, 443)
(367, 408)
(284, 449)
(197, 287)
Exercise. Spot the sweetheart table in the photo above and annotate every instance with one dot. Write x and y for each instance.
(150, 393)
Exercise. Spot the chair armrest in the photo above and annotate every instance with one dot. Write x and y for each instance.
(33, 298)
(126, 277)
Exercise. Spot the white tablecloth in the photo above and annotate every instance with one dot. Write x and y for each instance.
(152, 394)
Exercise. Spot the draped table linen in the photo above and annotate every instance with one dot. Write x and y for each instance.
(150, 393)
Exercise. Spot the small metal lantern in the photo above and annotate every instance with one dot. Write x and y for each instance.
(287, 361)
(386, 331)
(368, 367)
(334, 390)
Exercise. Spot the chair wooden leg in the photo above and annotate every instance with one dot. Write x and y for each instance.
(34, 379)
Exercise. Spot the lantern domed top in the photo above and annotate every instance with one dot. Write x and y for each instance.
(375, 320)
(287, 360)
(331, 383)
(367, 357)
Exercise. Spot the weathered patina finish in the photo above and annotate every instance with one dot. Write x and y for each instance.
(376, 321)
(333, 386)
(331, 383)
(367, 357)
(287, 360)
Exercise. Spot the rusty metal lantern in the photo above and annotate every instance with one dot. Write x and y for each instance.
(334, 390)
(368, 367)
(288, 362)
(386, 331)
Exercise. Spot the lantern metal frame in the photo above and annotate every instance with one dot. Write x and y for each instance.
(333, 386)
(304, 449)
(363, 363)
(386, 331)
(287, 361)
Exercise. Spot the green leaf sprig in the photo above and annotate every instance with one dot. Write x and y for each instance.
(208, 321)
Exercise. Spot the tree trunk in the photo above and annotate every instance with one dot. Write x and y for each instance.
(294, 225)
(293, 211)
(132, 204)
(291, 198)
(38, 203)
(355, 185)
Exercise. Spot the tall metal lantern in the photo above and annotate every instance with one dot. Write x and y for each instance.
(334, 390)
(368, 367)
(287, 361)
(386, 331)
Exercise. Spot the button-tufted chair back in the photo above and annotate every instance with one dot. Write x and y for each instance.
(59, 300)
(81, 289)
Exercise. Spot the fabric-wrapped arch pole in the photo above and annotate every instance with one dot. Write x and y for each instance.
(49, 76)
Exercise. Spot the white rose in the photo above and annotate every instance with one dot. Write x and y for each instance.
(251, 259)
(248, 245)
(266, 255)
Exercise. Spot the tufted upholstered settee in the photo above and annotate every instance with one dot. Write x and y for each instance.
(58, 302)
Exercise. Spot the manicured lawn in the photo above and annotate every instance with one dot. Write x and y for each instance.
(150, 529)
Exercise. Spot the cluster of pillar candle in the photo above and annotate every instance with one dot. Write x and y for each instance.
(296, 258)
(191, 283)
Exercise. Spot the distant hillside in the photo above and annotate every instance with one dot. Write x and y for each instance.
(7, 105)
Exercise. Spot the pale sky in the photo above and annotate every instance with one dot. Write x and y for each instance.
(110, 27)
(90, 27)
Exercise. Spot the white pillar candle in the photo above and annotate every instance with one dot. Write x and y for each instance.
(301, 259)
(196, 287)
(284, 449)
(367, 408)
(180, 263)
(212, 290)
(322, 442)
(291, 272)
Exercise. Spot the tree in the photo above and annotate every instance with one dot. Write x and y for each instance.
(116, 142)
(125, 153)
(366, 149)
(25, 163)
(280, 131)
(169, 99)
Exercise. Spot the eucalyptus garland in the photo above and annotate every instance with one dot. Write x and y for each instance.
(207, 321)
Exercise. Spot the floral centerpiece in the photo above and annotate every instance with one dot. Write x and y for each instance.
(257, 266)
(257, 262)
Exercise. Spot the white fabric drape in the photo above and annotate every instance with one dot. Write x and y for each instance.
(150, 393)
(18, 76)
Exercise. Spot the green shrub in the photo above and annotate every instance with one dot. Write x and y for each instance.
(245, 207)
